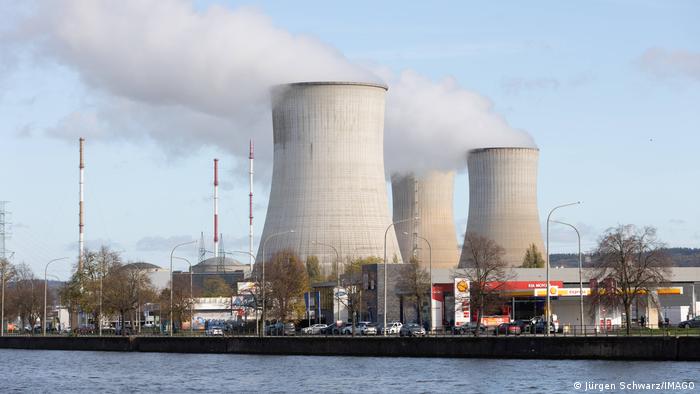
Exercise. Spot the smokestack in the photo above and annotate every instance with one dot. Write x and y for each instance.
(81, 218)
(503, 200)
(250, 208)
(216, 207)
(328, 182)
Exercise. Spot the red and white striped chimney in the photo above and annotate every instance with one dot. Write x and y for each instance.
(216, 207)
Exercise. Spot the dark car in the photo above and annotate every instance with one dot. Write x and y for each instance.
(538, 324)
(469, 329)
(525, 325)
(692, 323)
(507, 329)
(412, 330)
(280, 329)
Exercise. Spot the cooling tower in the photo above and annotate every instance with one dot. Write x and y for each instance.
(503, 199)
(328, 182)
(428, 197)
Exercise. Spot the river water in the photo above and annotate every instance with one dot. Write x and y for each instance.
(73, 371)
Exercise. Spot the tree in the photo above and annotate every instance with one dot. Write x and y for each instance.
(533, 258)
(82, 291)
(313, 269)
(7, 272)
(414, 283)
(216, 286)
(286, 280)
(485, 269)
(125, 286)
(352, 281)
(630, 261)
(25, 296)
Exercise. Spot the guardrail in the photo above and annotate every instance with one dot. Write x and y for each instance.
(565, 331)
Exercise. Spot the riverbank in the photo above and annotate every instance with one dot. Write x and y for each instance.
(600, 348)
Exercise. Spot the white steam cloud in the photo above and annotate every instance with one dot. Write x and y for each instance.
(189, 78)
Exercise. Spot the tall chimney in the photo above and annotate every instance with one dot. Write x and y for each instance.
(216, 207)
(250, 208)
(81, 218)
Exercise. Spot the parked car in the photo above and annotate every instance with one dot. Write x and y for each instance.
(367, 328)
(538, 324)
(525, 325)
(279, 328)
(507, 329)
(412, 330)
(215, 331)
(469, 329)
(692, 323)
(314, 330)
(392, 328)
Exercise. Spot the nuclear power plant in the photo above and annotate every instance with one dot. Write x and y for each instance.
(503, 199)
(429, 198)
(328, 182)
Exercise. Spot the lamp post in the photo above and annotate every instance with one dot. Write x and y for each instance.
(263, 273)
(580, 268)
(549, 311)
(385, 267)
(337, 276)
(191, 298)
(43, 322)
(171, 281)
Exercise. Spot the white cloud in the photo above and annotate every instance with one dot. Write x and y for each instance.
(665, 63)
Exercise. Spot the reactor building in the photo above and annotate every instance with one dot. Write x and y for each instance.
(429, 198)
(503, 200)
(328, 190)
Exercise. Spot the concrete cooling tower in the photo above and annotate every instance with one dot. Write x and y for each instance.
(428, 197)
(503, 199)
(328, 182)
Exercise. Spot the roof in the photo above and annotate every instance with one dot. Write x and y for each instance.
(219, 264)
(142, 265)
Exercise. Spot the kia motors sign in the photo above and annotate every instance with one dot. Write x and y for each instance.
(462, 305)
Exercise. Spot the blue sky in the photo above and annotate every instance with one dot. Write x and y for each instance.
(608, 90)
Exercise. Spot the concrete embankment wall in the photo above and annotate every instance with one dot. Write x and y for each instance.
(621, 348)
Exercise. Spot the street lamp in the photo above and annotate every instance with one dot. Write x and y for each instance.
(549, 311)
(263, 273)
(43, 322)
(337, 274)
(430, 265)
(191, 298)
(580, 268)
(171, 281)
(385, 267)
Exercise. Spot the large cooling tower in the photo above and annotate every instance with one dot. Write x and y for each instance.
(428, 197)
(503, 199)
(328, 182)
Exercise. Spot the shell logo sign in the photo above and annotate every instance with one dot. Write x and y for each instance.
(462, 302)
(553, 290)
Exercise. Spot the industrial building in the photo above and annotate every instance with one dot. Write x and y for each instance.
(429, 198)
(328, 190)
(524, 295)
(503, 200)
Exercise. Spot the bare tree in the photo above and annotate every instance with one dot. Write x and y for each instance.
(82, 291)
(414, 283)
(484, 267)
(25, 296)
(286, 280)
(352, 281)
(124, 289)
(630, 261)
